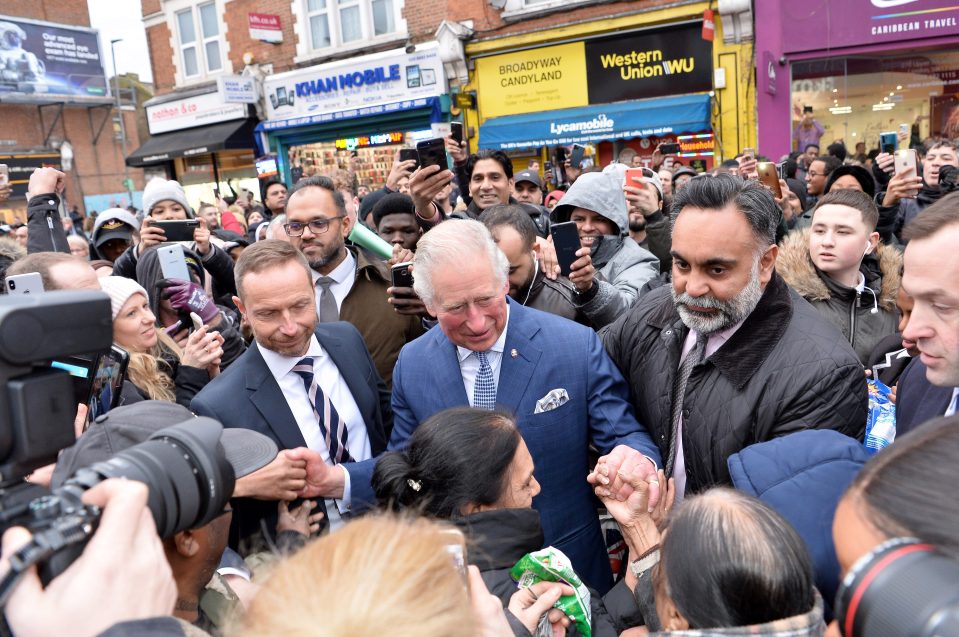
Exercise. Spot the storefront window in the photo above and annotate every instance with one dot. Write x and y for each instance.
(196, 175)
(856, 98)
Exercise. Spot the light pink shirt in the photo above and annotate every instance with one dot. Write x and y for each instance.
(714, 342)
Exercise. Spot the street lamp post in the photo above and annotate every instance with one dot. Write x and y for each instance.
(123, 128)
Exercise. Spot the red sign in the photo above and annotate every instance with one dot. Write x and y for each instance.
(266, 27)
(709, 26)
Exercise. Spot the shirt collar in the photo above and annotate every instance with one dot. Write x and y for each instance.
(723, 335)
(281, 365)
(462, 353)
(340, 273)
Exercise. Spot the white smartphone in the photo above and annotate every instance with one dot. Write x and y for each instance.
(906, 159)
(4, 174)
(29, 283)
(173, 262)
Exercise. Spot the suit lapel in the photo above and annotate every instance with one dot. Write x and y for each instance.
(266, 396)
(357, 380)
(443, 357)
(517, 371)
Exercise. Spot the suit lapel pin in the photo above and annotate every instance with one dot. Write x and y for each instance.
(513, 353)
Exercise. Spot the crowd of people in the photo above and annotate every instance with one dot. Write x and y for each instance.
(679, 413)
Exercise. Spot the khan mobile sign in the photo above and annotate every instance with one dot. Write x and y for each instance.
(40, 59)
(360, 84)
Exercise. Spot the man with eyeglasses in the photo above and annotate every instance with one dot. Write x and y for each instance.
(816, 177)
(350, 282)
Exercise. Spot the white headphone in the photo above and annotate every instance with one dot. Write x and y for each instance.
(868, 248)
(535, 271)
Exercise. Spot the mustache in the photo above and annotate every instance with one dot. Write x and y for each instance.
(700, 301)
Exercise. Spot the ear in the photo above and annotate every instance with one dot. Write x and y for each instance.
(767, 264)
(673, 620)
(239, 305)
(347, 225)
(537, 249)
(873, 241)
(187, 544)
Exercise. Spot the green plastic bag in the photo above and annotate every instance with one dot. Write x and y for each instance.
(551, 565)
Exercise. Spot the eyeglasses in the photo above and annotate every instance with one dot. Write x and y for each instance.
(815, 174)
(317, 226)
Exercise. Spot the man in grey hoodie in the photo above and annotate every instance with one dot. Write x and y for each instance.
(598, 206)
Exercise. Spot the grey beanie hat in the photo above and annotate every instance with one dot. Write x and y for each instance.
(160, 189)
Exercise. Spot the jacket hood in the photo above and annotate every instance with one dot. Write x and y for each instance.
(597, 192)
(149, 273)
(880, 268)
(499, 538)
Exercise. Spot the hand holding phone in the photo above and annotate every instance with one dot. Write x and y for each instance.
(769, 177)
(906, 159)
(178, 230)
(401, 276)
(432, 152)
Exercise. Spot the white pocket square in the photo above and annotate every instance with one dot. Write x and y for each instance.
(555, 398)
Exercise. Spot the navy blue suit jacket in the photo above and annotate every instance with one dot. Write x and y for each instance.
(917, 400)
(550, 353)
(246, 395)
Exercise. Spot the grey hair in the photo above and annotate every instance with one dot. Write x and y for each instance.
(275, 226)
(750, 197)
(450, 244)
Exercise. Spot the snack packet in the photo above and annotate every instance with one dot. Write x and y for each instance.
(551, 565)
(881, 423)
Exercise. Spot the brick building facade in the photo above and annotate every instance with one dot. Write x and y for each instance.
(33, 130)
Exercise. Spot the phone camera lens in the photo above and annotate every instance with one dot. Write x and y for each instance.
(13, 285)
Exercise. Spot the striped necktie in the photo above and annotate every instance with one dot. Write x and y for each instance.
(331, 425)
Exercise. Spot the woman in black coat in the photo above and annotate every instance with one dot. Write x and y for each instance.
(472, 467)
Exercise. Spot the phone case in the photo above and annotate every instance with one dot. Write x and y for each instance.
(905, 160)
(566, 242)
(173, 263)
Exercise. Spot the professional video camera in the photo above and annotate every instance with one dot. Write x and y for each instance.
(948, 179)
(184, 466)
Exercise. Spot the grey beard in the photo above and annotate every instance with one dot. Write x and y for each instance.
(730, 312)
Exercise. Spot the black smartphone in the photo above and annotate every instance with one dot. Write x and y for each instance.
(108, 381)
(669, 149)
(807, 109)
(432, 152)
(888, 142)
(576, 156)
(456, 131)
(407, 154)
(566, 242)
(401, 275)
(81, 370)
(178, 230)
(548, 167)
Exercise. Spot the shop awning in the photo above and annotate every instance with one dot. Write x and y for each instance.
(233, 135)
(604, 122)
(432, 104)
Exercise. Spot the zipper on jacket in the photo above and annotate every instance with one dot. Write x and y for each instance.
(852, 321)
(53, 241)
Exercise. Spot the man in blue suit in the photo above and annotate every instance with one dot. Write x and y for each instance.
(929, 387)
(552, 374)
(312, 388)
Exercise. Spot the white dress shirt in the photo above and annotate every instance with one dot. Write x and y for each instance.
(343, 276)
(469, 362)
(329, 379)
(713, 343)
(954, 404)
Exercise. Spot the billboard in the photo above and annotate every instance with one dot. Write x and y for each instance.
(42, 59)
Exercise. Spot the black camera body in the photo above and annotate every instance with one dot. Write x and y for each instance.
(902, 588)
(184, 466)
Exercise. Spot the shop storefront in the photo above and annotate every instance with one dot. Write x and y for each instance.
(862, 66)
(202, 142)
(633, 89)
(322, 118)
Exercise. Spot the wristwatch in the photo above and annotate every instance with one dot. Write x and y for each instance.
(648, 560)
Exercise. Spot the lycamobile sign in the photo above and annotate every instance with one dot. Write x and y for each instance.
(598, 124)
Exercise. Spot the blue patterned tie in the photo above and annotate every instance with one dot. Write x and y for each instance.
(331, 425)
(484, 390)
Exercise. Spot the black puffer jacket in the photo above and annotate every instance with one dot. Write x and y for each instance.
(784, 370)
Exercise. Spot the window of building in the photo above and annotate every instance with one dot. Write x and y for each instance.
(856, 98)
(514, 9)
(337, 24)
(200, 39)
